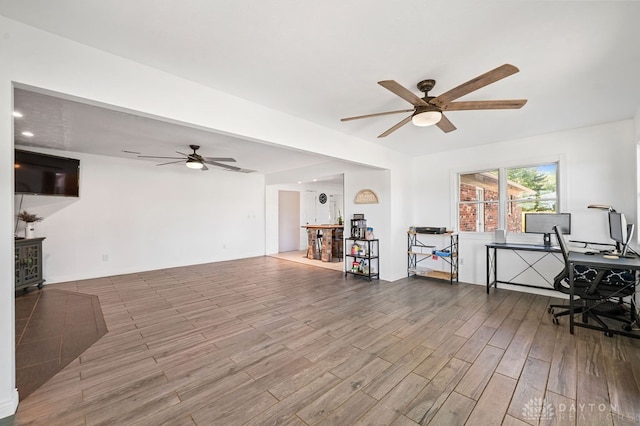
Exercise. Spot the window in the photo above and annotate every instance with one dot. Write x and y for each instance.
(478, 201)
(483, 196)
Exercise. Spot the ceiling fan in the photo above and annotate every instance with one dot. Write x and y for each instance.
(196, 161)
(428, 110)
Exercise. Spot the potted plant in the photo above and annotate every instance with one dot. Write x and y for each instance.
(29, 219)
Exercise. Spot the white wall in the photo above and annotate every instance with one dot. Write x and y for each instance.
(39, 59)
(401, 182)
(320, 213)
(598, 165)
(378, 216)
(132, 216)
(636, 220)
(272, 213)
(636, 122)
(8, 392)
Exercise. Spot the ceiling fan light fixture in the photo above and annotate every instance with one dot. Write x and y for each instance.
(194, 164)
(426, 116)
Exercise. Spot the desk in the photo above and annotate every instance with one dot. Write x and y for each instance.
(492, 262)
(598, 261)
(332, 242)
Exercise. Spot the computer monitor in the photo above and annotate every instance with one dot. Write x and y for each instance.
(543, 223)
(620, 231)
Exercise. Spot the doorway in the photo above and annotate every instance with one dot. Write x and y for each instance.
(288, 221)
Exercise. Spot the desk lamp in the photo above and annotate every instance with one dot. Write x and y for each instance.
(619, 230)
(601, 207)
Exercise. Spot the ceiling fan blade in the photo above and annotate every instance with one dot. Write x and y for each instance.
(224, 166)
(403, 92)
(182, 153)
(242, 171)
(474, 84)
(171, 162)
(396, 127)
(445, 125)
(154, 156)
(378, 114)
(204, 168)
(473, 105)
(227, 159)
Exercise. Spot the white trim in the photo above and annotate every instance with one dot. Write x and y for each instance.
(9, 407)
(503, 198)
(561, 184)
(480, 212)
(454, 188)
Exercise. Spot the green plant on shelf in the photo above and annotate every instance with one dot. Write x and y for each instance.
(29, 217)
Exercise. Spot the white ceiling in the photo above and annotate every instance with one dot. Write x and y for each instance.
(65, 124)
(579, 61)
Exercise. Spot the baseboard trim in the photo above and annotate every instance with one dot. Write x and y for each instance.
(8, 409)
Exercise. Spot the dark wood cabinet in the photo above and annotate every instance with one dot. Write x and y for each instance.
(28, 255)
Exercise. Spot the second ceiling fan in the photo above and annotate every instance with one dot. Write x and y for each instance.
(197, 161)
(428, 110)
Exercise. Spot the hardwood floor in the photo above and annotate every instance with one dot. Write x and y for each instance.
(265, 341)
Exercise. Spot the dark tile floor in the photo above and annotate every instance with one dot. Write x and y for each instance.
(53, 327)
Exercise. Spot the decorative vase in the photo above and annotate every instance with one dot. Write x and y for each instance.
(30, 230)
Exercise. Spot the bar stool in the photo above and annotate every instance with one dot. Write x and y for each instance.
(319, 244)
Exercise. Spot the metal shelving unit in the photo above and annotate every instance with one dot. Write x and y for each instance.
(427, 252)
(363, 261)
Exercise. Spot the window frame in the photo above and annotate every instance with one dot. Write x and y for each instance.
(503, 197)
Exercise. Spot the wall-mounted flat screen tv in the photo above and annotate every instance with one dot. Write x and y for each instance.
(43, 174)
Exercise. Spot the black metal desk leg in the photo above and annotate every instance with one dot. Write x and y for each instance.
(495, 268)
(492, 267)
(488, 270)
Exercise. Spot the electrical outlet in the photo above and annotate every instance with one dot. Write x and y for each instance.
(105, 257)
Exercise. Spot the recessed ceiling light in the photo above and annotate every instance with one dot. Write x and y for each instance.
(17, 114)
(315, 180)
(27, 134)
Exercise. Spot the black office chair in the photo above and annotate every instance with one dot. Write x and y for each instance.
(561, 284)
(597, 293)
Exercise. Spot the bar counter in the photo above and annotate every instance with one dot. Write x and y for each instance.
(331, 245)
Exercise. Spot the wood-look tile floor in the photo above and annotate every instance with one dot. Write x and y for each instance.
(264, 341)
